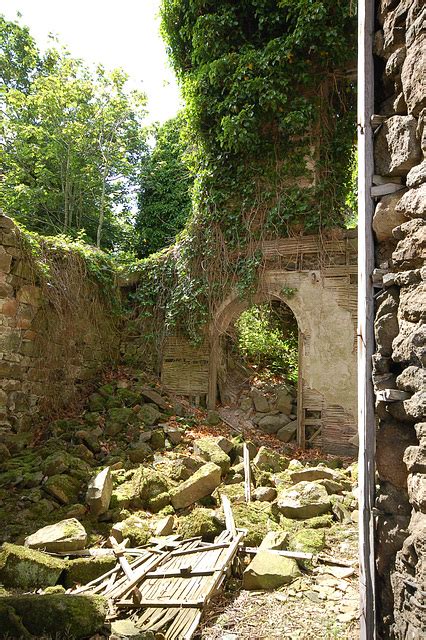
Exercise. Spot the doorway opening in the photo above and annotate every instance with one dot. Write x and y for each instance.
(259, 367)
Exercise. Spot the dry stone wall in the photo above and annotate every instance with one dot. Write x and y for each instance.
(400, 358)
(46, 349)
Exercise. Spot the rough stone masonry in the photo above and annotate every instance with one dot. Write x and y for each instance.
(400, 357)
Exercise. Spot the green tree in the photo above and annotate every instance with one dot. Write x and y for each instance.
(73, 142)
(19, 57)
(165, 193)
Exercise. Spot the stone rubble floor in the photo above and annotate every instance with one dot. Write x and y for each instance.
(317, 605)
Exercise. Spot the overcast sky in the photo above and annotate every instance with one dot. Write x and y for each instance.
(123, 33)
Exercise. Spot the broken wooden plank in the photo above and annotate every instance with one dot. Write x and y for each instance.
(392, 395)
(229, 517)
(166, 604)
(247, 473)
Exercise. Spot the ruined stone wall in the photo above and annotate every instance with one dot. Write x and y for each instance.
(46, 347)
(400, 358)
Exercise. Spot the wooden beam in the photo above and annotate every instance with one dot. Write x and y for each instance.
(366, 417)
(300, 414)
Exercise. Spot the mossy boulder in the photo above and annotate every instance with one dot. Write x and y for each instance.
(63, 488)
(37, 615)
(268, 460)
(268, 570)
(158, 439)
(24, 568)
(140, 452)
(149, 414)
(235, 493)
(117, 419)
(201, 484)
(96, 402)
(308, 541)
(83, 570)
(135, 528)
(256, 517)
(200, 522)
(310, 474)
(209, 450)
(67, 535)
(304, 500)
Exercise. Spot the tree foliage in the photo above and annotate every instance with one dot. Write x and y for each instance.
(165, 191)
(73, 143)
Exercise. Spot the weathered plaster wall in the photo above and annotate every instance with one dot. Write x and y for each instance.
(45, 354)
(328, 363)
(400, 358)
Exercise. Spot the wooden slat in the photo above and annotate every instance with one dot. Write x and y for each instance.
(366, 418)
(247, 473)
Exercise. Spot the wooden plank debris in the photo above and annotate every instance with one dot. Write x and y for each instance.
(247, 473)
(166, 587)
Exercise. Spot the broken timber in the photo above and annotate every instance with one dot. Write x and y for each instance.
(166, 587)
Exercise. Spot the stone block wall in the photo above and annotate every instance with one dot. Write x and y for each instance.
(52, 335)
(399, 362)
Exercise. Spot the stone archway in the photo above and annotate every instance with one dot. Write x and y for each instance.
(327, 358)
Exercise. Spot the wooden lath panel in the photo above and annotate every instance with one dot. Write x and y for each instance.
(302, 244)
(185, 368)
(338, 429)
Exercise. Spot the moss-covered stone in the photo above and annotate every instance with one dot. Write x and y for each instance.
(81, 616)
(141, 490)
(64, 536)
(63, 488)
(24, 568)
(208, 449)
(200, 522)
(158, 439)
(235, 493)
(308, 541)
(269, 571)
(268, 460)
(149, 414)
(96, 402)
(117, 419)
(84, 570)
(135, 528)
(256, 517)
(158, 502)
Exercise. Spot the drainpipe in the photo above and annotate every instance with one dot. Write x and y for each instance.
(366, 415)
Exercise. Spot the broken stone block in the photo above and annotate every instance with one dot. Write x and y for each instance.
(273, 423)
(417, 175)
(304, 500)
(397, 149)
(314, 473)
(134, 528)
(63, 488)
(308, 541)
(152, 396)
(284, 400)
(277, 540)
(149, 414)
(268, 460)
(201, 484)
(24, 568)
(99, 492)
(80, 571)
(260, 402)
(174, 434)
(117, 419)
(41, 615)
(165, 526)
(140, 451)
(200, 522)
(67, 535)
(264, 494)
(288, 432)
(209, 449)
(269, 570)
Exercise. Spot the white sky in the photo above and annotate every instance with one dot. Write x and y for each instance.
(115, 33)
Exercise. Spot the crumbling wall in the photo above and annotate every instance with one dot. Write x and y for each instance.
(52, 334)
(400, 358)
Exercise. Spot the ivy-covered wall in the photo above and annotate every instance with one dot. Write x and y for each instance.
(58, 322)
(269, 128)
